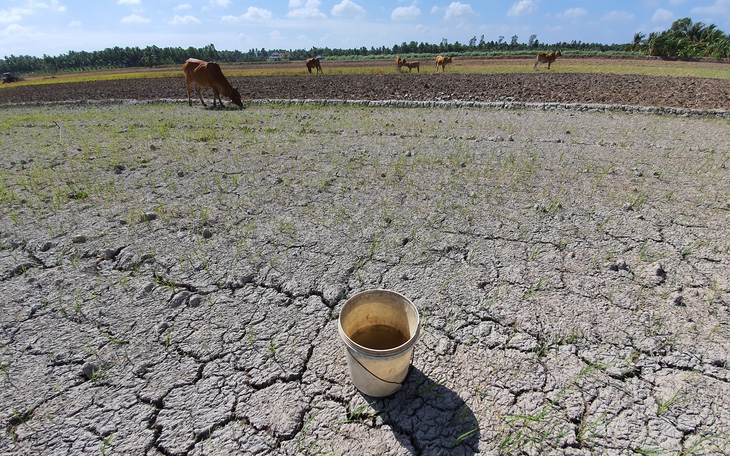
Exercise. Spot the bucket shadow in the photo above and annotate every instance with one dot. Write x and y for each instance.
(429, 418)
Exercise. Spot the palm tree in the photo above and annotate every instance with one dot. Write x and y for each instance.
(688, 39)
(681, 25)
(694, 31)
(639, 41)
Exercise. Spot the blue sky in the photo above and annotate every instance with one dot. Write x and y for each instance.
(53, 27)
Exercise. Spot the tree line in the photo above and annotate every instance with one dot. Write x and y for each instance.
(683, 39)
(152, 56)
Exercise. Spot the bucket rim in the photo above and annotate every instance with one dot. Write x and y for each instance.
(375, 353)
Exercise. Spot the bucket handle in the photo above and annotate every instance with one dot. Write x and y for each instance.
(410, 365)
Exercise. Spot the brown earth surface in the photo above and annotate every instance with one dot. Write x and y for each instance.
(539, 87)
(171, 280)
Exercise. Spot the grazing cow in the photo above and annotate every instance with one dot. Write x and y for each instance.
(547, 58)
(441, 61)
(209, 74)
(399, 62)
(412, 65)
(314, 63)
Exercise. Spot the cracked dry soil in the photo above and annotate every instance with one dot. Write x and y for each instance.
(171, 278)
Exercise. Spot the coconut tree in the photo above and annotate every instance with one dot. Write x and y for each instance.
(639, 42)
(687, 39)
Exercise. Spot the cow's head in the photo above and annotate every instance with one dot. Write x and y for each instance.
(236, 98)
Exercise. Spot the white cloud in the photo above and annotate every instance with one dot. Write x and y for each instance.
(257, 14)
(522, 8)
(253, 14)
(57, 6)
(11, 15)
(134, 19)
(74, 24)
(305, 11)
(662, 15)
(16, 14)
(573, 13)
(128, 2)
(183, 6)
(403, 13)
(16, 31)
(276, 36)
(348, 9)
(618, 16)
(719, 8)
(184, 20)
(458, 10)
(220, 3)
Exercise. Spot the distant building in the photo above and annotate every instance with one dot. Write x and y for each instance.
(279, 56)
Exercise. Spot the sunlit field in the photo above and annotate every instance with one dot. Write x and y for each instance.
(475, 65)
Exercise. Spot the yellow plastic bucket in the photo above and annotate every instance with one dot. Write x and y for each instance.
(379, 329)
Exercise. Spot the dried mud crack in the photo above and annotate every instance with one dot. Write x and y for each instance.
(172, 275)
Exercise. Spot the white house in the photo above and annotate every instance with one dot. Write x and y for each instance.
(279, 56)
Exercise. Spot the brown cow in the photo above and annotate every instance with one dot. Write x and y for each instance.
(314, 63)
(399, 62)
(441, 61)
(547, 58)
(209, 74)
(412, 65)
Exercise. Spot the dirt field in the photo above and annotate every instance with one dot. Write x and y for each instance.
(538, 87)
(171, 277)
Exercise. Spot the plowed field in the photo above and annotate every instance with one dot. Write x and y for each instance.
(540, 87)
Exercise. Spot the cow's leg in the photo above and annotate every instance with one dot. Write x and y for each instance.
(217, 95)
(190, 103)
(199, 95)
(549, 62)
